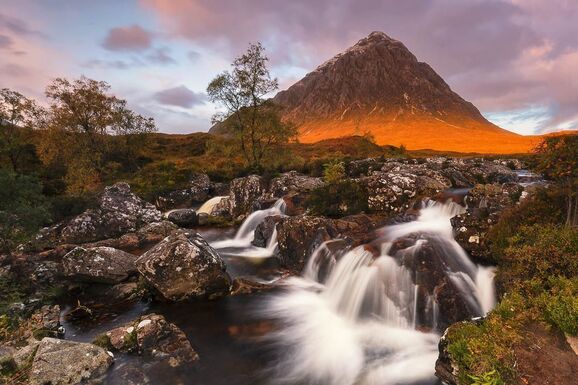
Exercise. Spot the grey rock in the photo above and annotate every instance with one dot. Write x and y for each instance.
(98, 264)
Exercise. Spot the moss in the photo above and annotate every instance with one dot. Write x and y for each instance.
(103, 340)
(560, 304)
(216, 221)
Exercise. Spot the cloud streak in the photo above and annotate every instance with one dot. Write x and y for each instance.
(180, 96)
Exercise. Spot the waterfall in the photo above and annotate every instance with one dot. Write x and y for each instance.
(242, 241)
(209, 205)
(355, 318)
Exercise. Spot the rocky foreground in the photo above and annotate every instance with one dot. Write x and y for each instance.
(126, 249)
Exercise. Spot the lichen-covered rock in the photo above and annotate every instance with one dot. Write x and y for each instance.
(183, 217)
(299, 236)
(60, 362)
(485, 205)
(151, 335)
(244, 195)
(119, 211)
(184, 266)
(197, 192)
(98, 264)
(293, 182)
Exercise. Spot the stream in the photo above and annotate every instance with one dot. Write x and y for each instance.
(355, 316)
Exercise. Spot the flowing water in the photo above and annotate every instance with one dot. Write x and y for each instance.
(360, 316)
(352, 317)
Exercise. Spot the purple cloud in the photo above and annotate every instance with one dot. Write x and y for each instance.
(180, 96)
(133, 38)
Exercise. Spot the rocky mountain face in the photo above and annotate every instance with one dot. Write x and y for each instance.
(379, 87)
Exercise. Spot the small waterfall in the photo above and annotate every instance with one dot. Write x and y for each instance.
(355, 318)
(246, 233)
(209, 205)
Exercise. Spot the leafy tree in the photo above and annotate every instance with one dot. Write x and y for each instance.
(254, 122)
(558, 160)
(23, 208)
(18, 115)
(85, 127)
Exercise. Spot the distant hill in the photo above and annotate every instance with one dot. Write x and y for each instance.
(379, 87)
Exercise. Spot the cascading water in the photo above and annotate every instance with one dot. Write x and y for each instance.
(355, 318)
(246, 233)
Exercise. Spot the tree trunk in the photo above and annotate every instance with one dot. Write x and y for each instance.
(569, 210)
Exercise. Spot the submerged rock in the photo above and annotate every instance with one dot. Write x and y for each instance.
(59, 362)
(98, 264)
(184, 266)
(151, 336)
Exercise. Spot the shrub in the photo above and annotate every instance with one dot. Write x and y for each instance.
(560, 304)
(339, 199)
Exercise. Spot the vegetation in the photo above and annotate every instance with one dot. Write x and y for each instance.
(254, 121)
(558, 160)
(339, 196)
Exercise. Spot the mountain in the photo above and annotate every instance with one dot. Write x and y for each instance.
(379, 87)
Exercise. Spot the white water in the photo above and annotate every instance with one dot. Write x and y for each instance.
(209, 205)
(351, 318)
(246, 233)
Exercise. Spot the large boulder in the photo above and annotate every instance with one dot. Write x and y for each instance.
(59, 362)
(197, 191)
(99, 265)
(151, 335)
(184, 266)
(299, 236)
(245, 194)
(485, 204)
(293, 182)
(119, 211)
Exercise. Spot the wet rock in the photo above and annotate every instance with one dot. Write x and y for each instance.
(485, 205)
(59, 362)
(184, 266)
(293, 182)
(197, 192)
(119, 212)
(246, 286)
(245, 193)
(265, 230)
(151, 336)
(446, 369)
(299, 236)
(99, 264)
(183, 217)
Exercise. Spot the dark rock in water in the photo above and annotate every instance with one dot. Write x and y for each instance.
(151, 336)
(299, 236)
(246, 286)
(485, 205)
(244, 195)
(98, 264)
(264, 230)
(293, 182)
(183, 217)
(184, 266)
(60, 362)
(119, 212)
(197, 192)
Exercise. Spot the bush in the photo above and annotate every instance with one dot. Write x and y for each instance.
(339, 199)
(560, 304)
(537, 253)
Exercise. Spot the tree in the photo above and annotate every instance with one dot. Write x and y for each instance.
(558, 160)
(85, 126)
(23, 208)
(254, 122)
(18, 115)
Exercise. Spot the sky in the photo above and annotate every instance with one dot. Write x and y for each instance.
(516, 60)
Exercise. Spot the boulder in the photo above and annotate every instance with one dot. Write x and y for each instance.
(119, 211)
(197, 192)
(151, 335)
(59, 362)
(299, 236)
(265, 230)
(183, 217)
(245, 194)
(184, 266)
(293, 182)
(99, 265)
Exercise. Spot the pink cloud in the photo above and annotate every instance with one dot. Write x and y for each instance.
(133, 38)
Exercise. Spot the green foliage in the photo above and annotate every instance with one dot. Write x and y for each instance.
(537, 253)
(334, 172)
(253, 121)
(338, 199)
(23, 208)
(560, 304)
